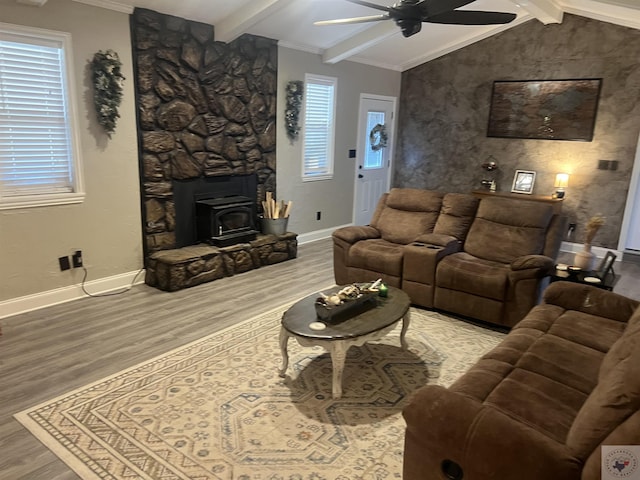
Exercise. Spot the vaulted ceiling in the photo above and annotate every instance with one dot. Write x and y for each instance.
(381, 43)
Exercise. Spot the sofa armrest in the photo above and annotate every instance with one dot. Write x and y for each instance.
(445, 427)
(451, 243)
(591, 300)
(354, 234)
(538, 262)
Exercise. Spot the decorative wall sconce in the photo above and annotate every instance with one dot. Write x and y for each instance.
(489, 165)
(562, 182)
(295, 90)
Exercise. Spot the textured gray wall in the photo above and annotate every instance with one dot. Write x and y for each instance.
(444, 108)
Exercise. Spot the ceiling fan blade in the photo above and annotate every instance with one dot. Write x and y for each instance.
(431, 8)
(472, 17)
(347, 21)
(370, 5)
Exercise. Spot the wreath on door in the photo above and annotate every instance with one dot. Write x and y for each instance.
(378, 137)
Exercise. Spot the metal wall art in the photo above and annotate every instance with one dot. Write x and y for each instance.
(544, 109)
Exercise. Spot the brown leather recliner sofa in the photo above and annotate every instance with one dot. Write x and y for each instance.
(564, 382)
(486, 259)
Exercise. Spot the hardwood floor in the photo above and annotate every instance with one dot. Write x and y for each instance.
(51, 351)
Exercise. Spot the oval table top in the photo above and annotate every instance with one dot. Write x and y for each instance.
(389, 310)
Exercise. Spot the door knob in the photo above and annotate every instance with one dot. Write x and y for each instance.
(360, 175)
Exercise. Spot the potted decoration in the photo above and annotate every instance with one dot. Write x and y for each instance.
(585, 258)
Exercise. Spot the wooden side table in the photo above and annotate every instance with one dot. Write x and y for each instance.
(608, 283)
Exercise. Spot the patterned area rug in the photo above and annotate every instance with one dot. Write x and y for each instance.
(217, 409)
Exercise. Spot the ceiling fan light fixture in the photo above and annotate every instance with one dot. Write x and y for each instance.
(409, 27)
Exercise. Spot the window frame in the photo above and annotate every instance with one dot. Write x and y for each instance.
(63, 40)
(330, 146)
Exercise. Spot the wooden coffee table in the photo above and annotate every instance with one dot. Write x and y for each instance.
(337, 337)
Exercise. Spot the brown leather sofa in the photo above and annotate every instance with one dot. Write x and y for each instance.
(486, 259)
(563, 382)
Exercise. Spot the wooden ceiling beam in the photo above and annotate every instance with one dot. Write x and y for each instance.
(359, 42)
(547, 11)
(244, 18)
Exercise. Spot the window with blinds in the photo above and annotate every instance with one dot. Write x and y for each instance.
(38, 153)
(319, 127)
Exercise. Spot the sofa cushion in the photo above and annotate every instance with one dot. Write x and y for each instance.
(544, 404)
(457, 214)
(519, 228)
(614, 399)
(564, 361)
(377, 255)
(466, 273)
(400, 226)
(595, 332)
(408, 214)
(524, 377)
(415, 200)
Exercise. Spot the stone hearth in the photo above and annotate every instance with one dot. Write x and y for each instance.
(206, 109)
(180, 268)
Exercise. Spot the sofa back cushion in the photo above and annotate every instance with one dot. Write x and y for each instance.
(506, 229)
(457, 214)
(615, 398)
(408, 213)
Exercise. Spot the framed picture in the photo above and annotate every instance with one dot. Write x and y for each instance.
(606, 266)
(523, 181)
(544, 109)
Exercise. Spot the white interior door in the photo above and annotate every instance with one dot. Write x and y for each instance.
(376, 126)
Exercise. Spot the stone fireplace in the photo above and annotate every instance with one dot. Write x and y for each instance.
(206, 117)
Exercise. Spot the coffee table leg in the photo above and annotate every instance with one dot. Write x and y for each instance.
(405, 326)
(338, 354)
(284, 340)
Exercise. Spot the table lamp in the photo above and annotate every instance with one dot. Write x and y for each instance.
(562, 181)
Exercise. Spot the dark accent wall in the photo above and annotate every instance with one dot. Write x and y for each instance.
(205, 109)
(444, 109)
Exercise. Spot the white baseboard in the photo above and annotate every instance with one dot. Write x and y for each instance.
(35, 301)
(318, 234)
(599, 252)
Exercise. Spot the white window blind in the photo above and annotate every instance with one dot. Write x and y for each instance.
(38, 157)
(319, 127)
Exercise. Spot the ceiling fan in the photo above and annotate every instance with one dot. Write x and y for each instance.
(409, 14)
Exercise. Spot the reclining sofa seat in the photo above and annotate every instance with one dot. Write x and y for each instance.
(396, 243)
(562, 383)
(504, 265)
(364, 253)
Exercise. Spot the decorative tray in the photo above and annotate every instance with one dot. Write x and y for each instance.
(350, 301)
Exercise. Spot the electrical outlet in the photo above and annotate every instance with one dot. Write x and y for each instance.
(77, 259)
(64, 263)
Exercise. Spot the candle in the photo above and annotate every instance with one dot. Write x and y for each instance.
(383, 290)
